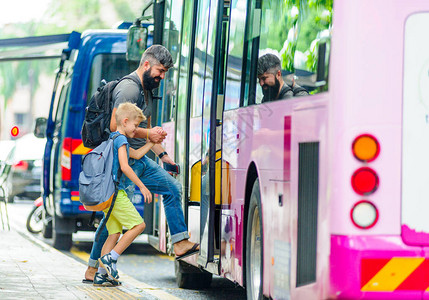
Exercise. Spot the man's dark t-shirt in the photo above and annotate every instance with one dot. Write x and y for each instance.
(287, 92)
(128, 91)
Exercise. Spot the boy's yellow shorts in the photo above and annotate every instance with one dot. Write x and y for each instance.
(123, 214)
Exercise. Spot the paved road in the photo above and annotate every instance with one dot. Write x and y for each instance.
(146, 267)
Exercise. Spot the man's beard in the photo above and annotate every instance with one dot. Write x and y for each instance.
(149, 81)
(271, 92)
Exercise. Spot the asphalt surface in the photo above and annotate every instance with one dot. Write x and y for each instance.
(146, 267)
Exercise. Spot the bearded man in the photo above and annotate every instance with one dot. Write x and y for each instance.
(271, 80)
(155, 62)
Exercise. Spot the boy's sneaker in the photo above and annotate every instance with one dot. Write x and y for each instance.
(104, 280)
(107, 262)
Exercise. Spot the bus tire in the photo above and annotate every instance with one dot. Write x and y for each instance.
(190, 277)
(254, 246)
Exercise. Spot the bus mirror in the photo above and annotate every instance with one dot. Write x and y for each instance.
(136, 42)
(40, 127)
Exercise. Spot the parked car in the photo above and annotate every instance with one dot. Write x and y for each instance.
(25, 178)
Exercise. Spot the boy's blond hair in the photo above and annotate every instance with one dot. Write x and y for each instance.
(128, 110)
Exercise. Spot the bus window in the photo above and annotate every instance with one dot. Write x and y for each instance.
(173, 23)
(311, 60)
(108, 67)
(277, 45)
(182, 91)
(251, 46)
(293, 54)
(235, 54)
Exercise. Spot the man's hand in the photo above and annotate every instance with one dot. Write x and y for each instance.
(157, 134)
(166, 159)
(147, 195)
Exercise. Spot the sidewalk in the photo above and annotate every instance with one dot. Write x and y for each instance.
(29, 269)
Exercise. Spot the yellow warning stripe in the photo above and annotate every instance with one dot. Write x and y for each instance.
(115, 293)
(81, 254)
(75, 198)
(393, 274)
(154, 291)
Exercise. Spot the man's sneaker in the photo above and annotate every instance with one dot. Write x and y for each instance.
(107, 262)
(104, 280)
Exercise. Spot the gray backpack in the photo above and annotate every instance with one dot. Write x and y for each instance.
(96, 185)
(97, 189)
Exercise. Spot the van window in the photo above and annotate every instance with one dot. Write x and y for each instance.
(64, 96)
(109, 67)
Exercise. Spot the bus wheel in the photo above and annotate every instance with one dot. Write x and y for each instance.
(190, 277)
(254, 246)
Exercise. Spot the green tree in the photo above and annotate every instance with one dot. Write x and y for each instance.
(63, 16)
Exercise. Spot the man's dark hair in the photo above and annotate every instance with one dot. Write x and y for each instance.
(268, 63)
(157, 54)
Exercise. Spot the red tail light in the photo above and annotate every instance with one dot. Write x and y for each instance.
(66, 159)
(21, 165)
(365, 181)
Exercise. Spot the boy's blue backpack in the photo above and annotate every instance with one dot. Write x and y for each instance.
(97, 189)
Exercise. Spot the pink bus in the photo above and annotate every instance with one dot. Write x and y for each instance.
(322, 196)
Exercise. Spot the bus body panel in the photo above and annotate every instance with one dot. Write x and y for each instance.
(367, 94)
(376, 108)
(309, 126)
(373, 77)
(415, 161)
(279, 125)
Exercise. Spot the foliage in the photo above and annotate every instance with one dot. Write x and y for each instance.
(63, 16)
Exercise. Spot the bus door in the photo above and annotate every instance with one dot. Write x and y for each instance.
(207, 98)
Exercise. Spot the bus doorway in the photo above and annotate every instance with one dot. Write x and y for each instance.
(205, 129)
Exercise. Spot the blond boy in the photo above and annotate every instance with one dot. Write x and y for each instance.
(124, 214)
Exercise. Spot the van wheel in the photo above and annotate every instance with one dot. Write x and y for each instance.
(190, 277)
(47, 225)
(254, 246)
(62, 241)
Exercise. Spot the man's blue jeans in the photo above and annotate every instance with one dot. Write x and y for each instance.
(158, 181)
(97, 246)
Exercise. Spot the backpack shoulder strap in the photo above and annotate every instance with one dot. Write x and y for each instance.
(119, 169)
(115, 135)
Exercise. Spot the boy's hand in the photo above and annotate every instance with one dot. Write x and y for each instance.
(147, 195)
(157, 134)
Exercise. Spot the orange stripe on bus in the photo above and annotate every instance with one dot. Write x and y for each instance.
(418, 280)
